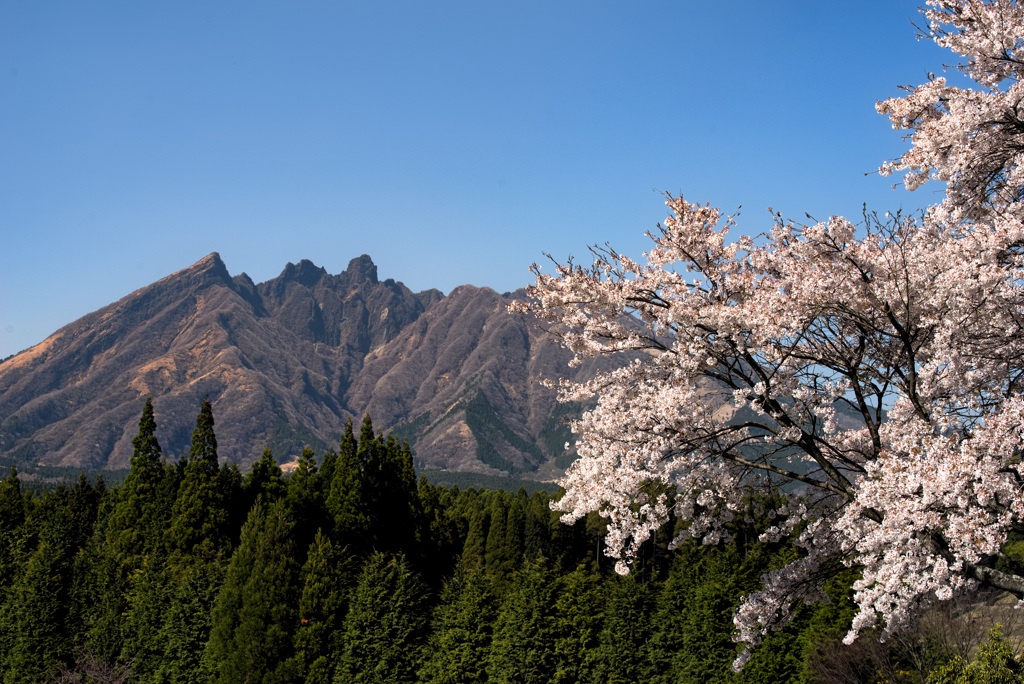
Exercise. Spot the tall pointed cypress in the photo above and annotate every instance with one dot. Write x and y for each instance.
(151, 594)
(326, 469)
(36, 620)
(15, 542)
(370, 456)
(499, 556)
(474, 548)
(199, 519)
(203, 448)
(537, 532)
(392, 497)
(231, 488)
(515, 529)
(12, 505)
(367, 440)
(345, 503)
(140, 515)
(692, 640)
(440, 531)
(146, 452)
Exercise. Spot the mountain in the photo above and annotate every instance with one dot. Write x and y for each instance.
(285, 364)
(462, 382)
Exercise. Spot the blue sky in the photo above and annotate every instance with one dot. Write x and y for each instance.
(454, 142)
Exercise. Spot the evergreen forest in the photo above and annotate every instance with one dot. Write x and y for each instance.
(349, 569)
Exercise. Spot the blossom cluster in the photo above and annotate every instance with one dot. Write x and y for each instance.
(968, 138)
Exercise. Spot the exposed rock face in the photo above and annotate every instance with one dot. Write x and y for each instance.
(462, 381)
(286, 363)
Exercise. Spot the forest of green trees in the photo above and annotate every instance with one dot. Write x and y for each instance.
(348, 569)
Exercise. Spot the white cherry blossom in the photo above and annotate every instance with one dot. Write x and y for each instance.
(877, 368)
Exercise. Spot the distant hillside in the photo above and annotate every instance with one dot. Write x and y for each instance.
(285, 363)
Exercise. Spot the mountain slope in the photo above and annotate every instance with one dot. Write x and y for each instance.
(286, 363)
(462, 383)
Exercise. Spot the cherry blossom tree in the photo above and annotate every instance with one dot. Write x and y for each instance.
(876, 369)
(970, 139)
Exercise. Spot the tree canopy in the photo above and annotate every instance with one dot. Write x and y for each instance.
(483, 586)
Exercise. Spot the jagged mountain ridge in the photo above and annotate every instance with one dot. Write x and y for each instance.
(285, 363)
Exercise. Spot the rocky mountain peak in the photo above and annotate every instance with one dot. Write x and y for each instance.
(305, 273)
(208, 270)
(362, 269)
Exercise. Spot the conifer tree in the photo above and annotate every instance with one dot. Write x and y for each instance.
(37, 625)
(623, 644)
(523, 648)
(328, 578)
(12, 505)
(397, 508)
(388, 488)
(36, 620)
(186, 628)
(199, 519)
(373, 467)
(83, 504)
(264, 480)
(255, 616)
(232, 491)
(578, 628)
(368, 442)
(203, 447)
(385, 628)
(345, 503)
(133, 530)
(13, 535)
(461, 630)
(692, 641)
(326, 468)
(79, 507)
(537, 527)
(15, 540)
(515, 529)
(498, 555)
(474, 548)
(150, 597)
(305, 499)
(100, 595)
(438, 537)
(139, 511)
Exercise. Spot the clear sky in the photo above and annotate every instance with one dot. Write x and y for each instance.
(454, 142)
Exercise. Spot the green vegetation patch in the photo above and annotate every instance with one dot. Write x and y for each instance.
(449, 478)
(283, 438)
(489, 429)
